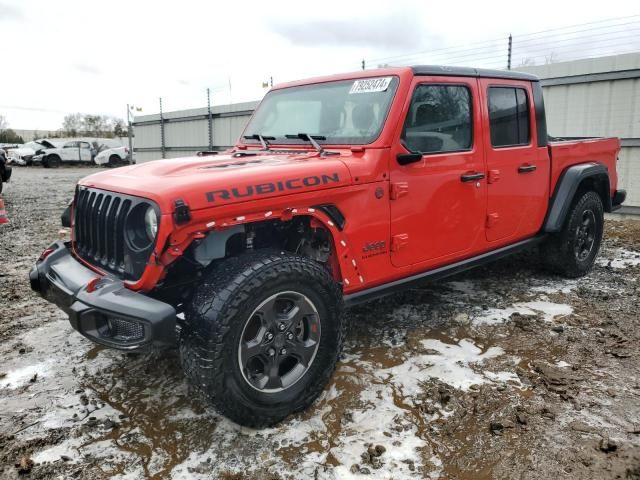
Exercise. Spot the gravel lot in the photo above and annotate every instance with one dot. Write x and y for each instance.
(503, 372)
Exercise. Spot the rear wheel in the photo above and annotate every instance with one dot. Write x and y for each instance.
(262, 336)
(573, 250)
(114, 160)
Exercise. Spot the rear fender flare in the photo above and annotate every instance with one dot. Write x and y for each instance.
(568, 186)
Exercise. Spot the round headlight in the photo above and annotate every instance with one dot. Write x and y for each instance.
(151, 223)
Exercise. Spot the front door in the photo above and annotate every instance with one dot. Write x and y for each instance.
(70, 152)
(518, 175)
(438, 203)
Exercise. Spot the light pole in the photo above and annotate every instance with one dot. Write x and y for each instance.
(130, 129)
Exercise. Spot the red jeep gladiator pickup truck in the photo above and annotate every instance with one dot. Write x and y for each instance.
(341, 190)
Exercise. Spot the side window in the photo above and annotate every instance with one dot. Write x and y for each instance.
(508, 116)
(439, 119)
(71, 145)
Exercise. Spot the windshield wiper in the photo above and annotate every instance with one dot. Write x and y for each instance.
(310, 138)
(262, 139)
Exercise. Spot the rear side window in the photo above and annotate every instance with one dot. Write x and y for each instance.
(439, 119)
(508, 116)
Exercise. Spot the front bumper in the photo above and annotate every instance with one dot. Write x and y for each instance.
(100, 307)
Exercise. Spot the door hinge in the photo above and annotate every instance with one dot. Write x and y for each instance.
(399, 241)
(181, 214)
(492, 219)
(494, 176)
(398, 189)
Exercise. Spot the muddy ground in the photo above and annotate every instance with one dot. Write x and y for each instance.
(501, 373)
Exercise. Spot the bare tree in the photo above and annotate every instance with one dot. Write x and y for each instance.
(73, 124)
(78, 124)
(3, 123)
(527, 62)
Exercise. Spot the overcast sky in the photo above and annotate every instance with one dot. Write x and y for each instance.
(69, 56)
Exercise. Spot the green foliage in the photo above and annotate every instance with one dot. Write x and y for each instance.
(9, 136)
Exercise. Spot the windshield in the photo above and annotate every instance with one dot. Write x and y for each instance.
(344, 112)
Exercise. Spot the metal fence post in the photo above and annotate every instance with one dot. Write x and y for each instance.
(162, 146)
(509, 53)
(209, 120)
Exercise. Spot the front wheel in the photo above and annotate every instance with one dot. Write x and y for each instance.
(52, 161)
(262, 336)
(573, 250)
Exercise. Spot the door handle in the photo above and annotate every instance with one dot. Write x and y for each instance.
(471, 177)
(526, 168)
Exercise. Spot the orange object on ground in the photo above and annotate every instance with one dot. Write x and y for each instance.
(3, 213)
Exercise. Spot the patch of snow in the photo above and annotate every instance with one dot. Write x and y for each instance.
(556, 286)
(449, 364)
(21, 376)
(549, 311)
(623, 258)
(562, 364)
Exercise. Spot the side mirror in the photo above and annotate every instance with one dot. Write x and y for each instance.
(407, 158)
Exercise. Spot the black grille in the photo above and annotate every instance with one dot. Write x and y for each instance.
(99, 228)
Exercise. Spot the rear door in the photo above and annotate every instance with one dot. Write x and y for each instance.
(85, 152)
(438, 203)
(517, 175)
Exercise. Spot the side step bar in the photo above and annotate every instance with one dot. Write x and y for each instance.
(438, 273)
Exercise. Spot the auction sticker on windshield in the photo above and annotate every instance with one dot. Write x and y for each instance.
(370, 85)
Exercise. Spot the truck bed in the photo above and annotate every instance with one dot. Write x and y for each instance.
(567, 151)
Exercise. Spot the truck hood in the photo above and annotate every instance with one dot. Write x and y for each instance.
(210, 181)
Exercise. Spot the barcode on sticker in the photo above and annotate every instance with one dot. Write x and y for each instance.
(370, 85)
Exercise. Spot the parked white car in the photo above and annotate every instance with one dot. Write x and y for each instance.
(113, 156)
(73, 151)
(23, 154)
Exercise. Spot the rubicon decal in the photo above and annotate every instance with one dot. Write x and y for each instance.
(271, 187)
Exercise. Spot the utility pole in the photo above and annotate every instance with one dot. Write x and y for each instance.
(509, 53)
(162, 149)
(209, 120)
(130, 133)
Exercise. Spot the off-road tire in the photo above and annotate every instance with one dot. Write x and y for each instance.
(559, 251)
(52, 161)
(215, 320)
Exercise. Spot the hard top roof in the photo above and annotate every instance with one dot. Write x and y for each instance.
(471, 72)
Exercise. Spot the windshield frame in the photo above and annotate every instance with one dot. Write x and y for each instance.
(395, 84)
